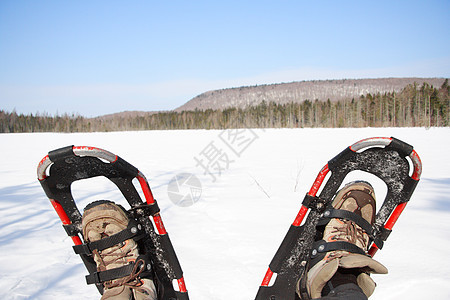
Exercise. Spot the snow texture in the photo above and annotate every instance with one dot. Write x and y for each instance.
(226, 240)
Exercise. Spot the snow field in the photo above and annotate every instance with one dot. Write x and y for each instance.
(226, 240)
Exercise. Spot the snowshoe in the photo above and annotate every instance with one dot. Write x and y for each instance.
(56, 173)
(385, 158)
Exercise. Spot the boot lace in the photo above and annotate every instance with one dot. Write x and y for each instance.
(131, 280)
(113, 255)
(350, 232)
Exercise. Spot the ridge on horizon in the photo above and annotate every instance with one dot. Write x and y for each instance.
(285, 92)
(299, 91)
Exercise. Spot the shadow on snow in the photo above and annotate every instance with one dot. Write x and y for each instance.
(437, 193)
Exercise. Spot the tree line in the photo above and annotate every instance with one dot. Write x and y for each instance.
(415, 106)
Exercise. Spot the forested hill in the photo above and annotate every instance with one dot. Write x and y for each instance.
(415, 105)
(296, 92)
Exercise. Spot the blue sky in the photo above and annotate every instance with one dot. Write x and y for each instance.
(99, 57)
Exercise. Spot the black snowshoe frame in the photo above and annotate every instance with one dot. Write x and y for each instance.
(383, 157)
(60, 168)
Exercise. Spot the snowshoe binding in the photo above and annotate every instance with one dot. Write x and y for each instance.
(125, 231)
(308, 243)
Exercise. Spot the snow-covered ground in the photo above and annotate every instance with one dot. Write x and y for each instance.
(227, 238)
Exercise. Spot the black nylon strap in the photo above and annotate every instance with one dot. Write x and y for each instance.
(332, 213)
(103, 276)
(61, 153)
(314, 203)
(99, 277)
(146, 209)
(322, 247)
(133, 231)
(401, 147)
(381, 237)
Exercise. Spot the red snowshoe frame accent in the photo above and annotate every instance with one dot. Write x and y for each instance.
(313, 204)
(110, 158)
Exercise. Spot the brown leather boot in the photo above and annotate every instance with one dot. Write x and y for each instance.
(103, 219)
(357, 197)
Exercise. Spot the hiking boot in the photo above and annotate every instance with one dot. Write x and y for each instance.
(340, 266)
(102, 219)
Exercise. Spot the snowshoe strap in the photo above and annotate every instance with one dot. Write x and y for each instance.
(108, 275)
(133, 231)
(331, 213)
(321, 247)
(103, 276)
(381, 237)
(314, 203)
(145, 209)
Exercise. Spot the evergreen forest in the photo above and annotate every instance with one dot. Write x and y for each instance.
(415, 106)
